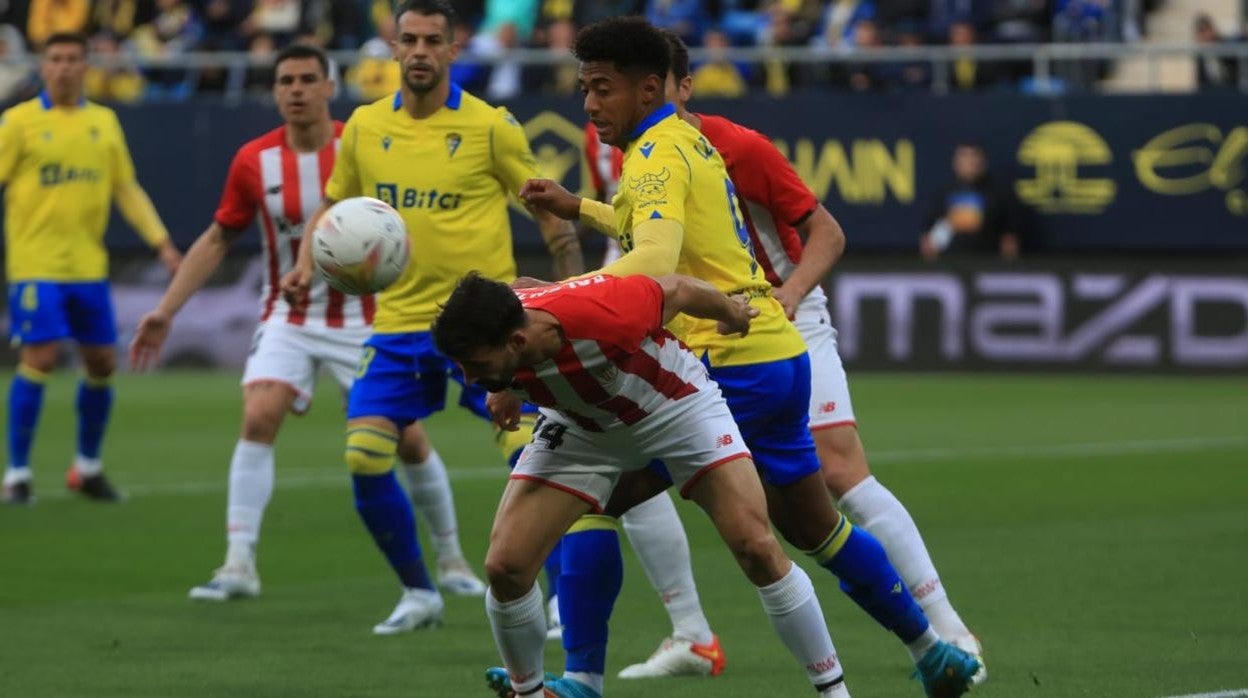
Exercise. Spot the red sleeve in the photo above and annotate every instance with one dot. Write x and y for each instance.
(786, 196)
(619, 311)
(239, 200)
(592, 144)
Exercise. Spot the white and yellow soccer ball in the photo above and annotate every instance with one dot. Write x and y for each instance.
(360, 245)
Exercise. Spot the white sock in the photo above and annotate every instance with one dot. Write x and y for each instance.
(88, 467)
(12, 475)
(251, 486)
(520, 633)
(430, 490)
(594, 681)
(871, 505)
(658, 538)
(794, 611)
(920, 647)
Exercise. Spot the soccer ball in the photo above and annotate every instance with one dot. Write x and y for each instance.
(360, 245)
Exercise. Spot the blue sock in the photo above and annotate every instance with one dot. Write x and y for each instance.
(589, 583)
(553, 564)
(25, 403)
(387, 512)
(95, 401)
(860, 562)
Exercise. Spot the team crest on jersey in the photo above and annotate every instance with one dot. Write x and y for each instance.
(452, 143)
(650, 188)
(385, 143)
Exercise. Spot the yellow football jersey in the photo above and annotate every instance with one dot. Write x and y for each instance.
(449, 176)
(672, 172)
(61, 167)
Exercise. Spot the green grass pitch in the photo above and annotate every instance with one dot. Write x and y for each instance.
(1092, 530)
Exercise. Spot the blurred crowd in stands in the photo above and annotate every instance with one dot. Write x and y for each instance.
(133, 30)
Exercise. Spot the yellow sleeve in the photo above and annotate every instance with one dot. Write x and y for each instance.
(655, 252)
(514, 163)
(599, 216)
(344, 181)
(10, 146)
(136, 207)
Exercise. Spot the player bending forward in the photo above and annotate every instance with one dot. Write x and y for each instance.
(616, 391)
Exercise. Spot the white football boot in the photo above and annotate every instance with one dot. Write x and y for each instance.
(972, 645)
(554, 625)
(418, 608)
(676, 657)
(233, 581)
(455, 577)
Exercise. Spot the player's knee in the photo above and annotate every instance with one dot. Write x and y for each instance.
(100, 363)
(759, 555)
(414, 446)
(370, 451)
(40, 357)
(260, 423)
(510, 577)
(841, 459)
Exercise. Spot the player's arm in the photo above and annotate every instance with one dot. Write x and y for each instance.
(201, 260)
(344, 183)
(548, 195)
(10, 146)
(697, 298)
(655, 251)
(824, 245)
(655, 199)
(514, 165)
(298, 280)
(563, 243)
(135, 205)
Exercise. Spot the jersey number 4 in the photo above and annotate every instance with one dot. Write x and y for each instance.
(548, 433)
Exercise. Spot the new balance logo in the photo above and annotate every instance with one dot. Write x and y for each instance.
(724, 440)
(275, 189)
(827, 408)
(826, 664)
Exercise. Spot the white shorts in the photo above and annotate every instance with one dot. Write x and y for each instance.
(829, 387)
(692, 437)
(292, 354)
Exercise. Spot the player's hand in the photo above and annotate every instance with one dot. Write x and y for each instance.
(548, 195)
(741, 314)
(295, 285)
(170, 257)
(149, 336)
(504, 409)
(529, 282)
(789, 298)
(927, 248)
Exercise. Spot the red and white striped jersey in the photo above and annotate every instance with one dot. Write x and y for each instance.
(774, 199)
(269, 178)
(617, 364)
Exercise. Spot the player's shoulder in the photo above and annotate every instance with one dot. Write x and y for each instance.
(376, 110)
(270, 139)
(21, 110)
(726, 134)
(476, 110)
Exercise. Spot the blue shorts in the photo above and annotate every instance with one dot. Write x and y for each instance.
(49, 311)
(771, 403)
(403, 378)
